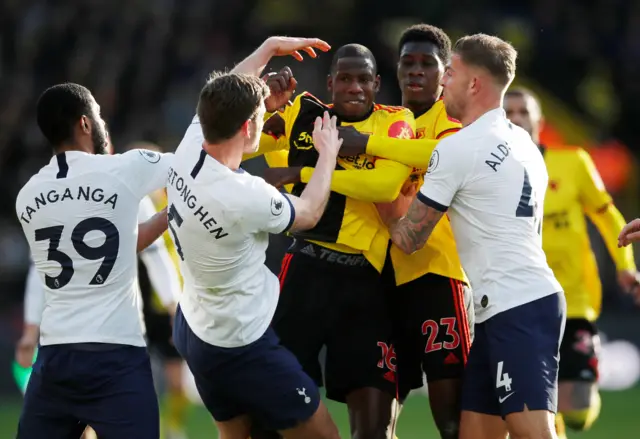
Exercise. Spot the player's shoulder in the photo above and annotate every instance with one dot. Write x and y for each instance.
(390, 110)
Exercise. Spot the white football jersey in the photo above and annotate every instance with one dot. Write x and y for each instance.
(220, 222)
(492, 179)
(80, 217)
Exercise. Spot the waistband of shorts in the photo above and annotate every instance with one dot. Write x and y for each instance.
(315, 251)
(89, 347)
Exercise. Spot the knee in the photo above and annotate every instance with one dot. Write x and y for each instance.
(449, 429)
(582, 420)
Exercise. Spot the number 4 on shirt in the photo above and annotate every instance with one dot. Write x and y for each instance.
(525, 208)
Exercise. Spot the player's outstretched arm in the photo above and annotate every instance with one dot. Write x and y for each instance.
(151, 229)
(313, 200)
(409, 231)
(411, 152)
(255, 63)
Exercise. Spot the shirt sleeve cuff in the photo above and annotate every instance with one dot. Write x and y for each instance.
(431, 203)
(292, 216)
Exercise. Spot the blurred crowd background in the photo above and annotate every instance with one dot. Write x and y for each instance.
(145, 61)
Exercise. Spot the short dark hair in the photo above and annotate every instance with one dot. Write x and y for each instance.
(490, 53)
(59, 108)
(227, 101)
(522, 92)
(426, 33)
(353, 51)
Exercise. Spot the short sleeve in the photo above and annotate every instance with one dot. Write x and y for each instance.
(445, 175)
(267, 210)
(145, 171)
(593, 194)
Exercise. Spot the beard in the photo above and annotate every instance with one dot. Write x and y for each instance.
(100, 140)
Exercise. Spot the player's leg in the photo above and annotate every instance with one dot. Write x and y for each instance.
(49, 409)
(524, 345)
(578, 397)
(437, 333)
(480, 417)
(361, 362)
(123, 400)
(302, 316)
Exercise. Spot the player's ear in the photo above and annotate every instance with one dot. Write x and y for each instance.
(376, 87)
(85, 125)
(246, 128)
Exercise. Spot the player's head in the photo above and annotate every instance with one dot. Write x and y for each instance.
(424, 52)
(231, 107)
(353, 82)
(523, 109)
(69, 117)
(481, 69)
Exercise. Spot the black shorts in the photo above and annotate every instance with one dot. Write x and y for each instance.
(336, 300)
(431, 331)
(158, 324)
(579, 352)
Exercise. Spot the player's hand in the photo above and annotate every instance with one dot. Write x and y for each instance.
(25, 348)
(282, 86)
(279, 177)
(629, 281)
(630, 233)
(353, 141)
(282, 46)
(325, 135)
(390, 212)
(274, 126)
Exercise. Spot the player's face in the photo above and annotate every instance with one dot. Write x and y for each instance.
(420, 71)
(353, 87)
(99, 134)
(524, 112)
(255, 128)
(456, 83)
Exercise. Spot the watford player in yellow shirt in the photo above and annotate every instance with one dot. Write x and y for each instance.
(575, 190)
(331, 292)
(432, 330)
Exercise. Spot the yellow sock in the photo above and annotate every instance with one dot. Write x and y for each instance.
(560, 428)
(176, 409)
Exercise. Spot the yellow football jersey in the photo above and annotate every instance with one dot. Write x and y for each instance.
(439, 255)
(575, 190)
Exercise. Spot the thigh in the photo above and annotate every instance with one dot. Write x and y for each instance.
(524, 354)
(579, 352)
(46, 415)
(360, 353)
(436, 326)
(128, 406)
(302, 318)
(478, 384)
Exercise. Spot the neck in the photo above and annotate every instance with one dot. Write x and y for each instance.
(418, 108)
(535, 136)
(228, 153)
(479, 109)
(68, 147)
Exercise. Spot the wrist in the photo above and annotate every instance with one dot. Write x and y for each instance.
(31, 331)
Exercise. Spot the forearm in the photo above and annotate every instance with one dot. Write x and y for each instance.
(255, 63)
(411, 152)
(151, 230)
(609, 222)
(375, 186)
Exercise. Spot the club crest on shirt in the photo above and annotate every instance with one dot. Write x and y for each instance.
(150, 156)
(433, 162)
(276, 206)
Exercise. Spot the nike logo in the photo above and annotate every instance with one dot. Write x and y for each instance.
(501, 400)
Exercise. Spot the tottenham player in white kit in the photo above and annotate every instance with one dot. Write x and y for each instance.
(491, 180)
(220, 218)
(80, 217)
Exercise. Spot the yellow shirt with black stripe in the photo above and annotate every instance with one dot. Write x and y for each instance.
(440, 254)
(159, 199)
(351, 223)
(575, 190)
